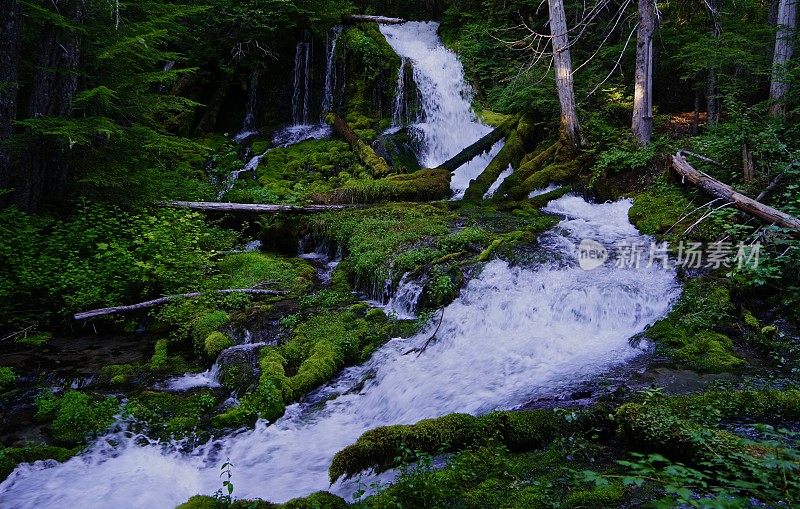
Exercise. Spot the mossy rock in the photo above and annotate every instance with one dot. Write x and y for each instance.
(166, 415)
(10, 457)
(118, 374)
(318, 500)
(421, 185)
(250, 269)
(76, 415)
(210, 322)
(216, 342)
(7, 379)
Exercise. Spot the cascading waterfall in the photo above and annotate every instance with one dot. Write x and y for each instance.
(448, 125)
(330, 70)
(514, 334)
(405, 300)
(400, 114)
(302, 83)
(248, 124)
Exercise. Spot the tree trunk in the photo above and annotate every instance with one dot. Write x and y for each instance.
(784, 49)
(562, 62)
(251, 208)
(359, 18)
(374, 163)
(711, 81)
(748, 166)
(696, 118)
(479, 147)
(725, 192)
(44, 168)
(642, 121)
(10, 49)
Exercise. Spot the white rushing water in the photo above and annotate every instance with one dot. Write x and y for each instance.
(514, 334)
(448, 125)
(330, 70)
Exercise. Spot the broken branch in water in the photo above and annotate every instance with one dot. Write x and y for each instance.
(428, 341)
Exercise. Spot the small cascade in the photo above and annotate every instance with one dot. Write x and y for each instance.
(248, 124)
(448, 124)
(323, 255)
(405, 300)
(330, 70)
(400, 113)
(209, 377)
(301, 95)
(496, 184)
(544, 190)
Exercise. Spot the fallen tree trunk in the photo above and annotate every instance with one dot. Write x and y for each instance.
(510, 155)
(479, 147)
(374, 163)
(116, 310)
(725, 192)
(512, 186)
(361, 18)
(251, 208)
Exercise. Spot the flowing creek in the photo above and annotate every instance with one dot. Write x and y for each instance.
(514, 334)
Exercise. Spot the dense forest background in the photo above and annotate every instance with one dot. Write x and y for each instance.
(111, 109)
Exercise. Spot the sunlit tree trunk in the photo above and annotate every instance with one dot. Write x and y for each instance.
(642, 121)
(712, 99)
(784, 49)
(570, 129)
(10, 48)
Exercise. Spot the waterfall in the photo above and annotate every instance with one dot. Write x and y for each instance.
(405, 300)
(514, 334)
(448, 125)
(330, 70)
(248, 124)
(400, 109)
(302, 83)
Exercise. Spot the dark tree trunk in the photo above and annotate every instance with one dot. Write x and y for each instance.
(562, 62)
(696, 118)
(784, 49)
(10, 48)
(44, 168)
(711, 83)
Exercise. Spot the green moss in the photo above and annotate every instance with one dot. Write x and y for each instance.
(493, 119)
(658, 209)
(206, 324)
(597, 498)
(319, 500)
(687, 334)
(10, 457)
(36, 339)
(166, 415)
(159, 362)
(251, 269)
(118, 374)
(7, 379)
(203, 502)
(510, 155)
(216, 342)
(76, 415)
(421, 185)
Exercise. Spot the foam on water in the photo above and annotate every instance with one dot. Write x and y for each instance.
(514, 333)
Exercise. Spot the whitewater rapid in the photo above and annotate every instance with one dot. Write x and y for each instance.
(514, 333)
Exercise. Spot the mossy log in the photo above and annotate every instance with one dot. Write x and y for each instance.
(479, 147)
(377, 165)
(116, 310)
(251, 208)
(727, 193)
(421, 185)
(513, 184)
(382, 20)
(510, 155)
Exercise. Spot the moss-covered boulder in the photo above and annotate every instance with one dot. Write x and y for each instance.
(215, 343)
(75, 416)
(7, 379)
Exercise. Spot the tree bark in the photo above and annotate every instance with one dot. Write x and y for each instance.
(727, 193)
(712, 101)
(696, 118)
(10, 50)
(510, 155)
(748, 166)
(642, 121)
(479, 147)
(251, 208)
(374, 163)
(359, 18)
(562, 62)
(784, 49)
(116, 310)
(44, 167)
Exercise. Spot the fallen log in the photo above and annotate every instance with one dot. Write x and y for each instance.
(479, 147)
(361, 18)
(513, 185)
(251, 208)
(728, 194)
(374, 163)
(116, 310)
(510, 155)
